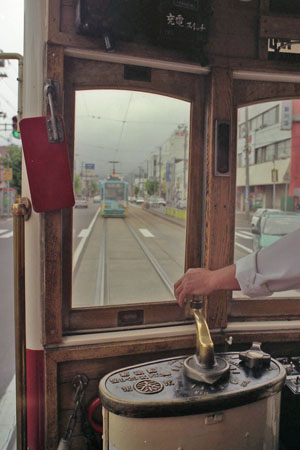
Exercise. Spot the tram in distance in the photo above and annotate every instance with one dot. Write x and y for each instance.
(114, 197)
(105, 356)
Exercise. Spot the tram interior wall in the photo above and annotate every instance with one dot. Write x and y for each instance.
(237, 40)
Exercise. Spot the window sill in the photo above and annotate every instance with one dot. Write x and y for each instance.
(266, 325)
(114, 337)
(180, 331)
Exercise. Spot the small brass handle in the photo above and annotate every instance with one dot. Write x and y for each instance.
(204, 344)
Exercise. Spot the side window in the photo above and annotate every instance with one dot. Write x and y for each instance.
(267, 192)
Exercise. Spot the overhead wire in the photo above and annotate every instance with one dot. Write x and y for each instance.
(130, 121)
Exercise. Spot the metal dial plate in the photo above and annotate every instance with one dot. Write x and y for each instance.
(148, 386)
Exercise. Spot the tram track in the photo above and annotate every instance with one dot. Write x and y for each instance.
(157, 266)
(152, 225)
(102, 284)
(102, 288)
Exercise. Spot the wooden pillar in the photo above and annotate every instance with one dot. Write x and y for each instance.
(53, 226)
(219, 215)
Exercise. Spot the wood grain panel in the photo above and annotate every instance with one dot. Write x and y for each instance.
(67, 214)
(195, 208)
(51, 404)
(249, 92)
(53, 226)
(280, 27)
(265, 309)
(219, 221)
(233, 30)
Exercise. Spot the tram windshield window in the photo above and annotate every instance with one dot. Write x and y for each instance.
(131, 162)
(115, 191)
(267, 192)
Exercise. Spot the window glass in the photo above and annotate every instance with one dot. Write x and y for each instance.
(259, 154)
(270, 152)
(130, 182)
(258, 122)
(270, 117)
(284, 149)
(267, 179)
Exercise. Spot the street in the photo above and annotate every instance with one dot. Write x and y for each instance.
(121, 261)
(7, 348)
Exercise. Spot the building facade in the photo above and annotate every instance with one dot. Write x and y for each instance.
(268, 155)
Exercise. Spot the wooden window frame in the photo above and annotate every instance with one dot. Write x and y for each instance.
(213, 246)
(106, 75)
(274, 309)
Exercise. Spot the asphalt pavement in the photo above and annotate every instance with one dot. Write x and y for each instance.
(7, 348)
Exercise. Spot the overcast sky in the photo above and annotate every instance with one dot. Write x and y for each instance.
(124, 126)
(11, 41)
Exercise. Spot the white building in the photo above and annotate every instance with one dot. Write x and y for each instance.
(269, 137)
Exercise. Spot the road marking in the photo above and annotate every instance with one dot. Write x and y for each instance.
(80, 246)
(145, 232)
(3, 230)
(83, 233)
(244, 235)
(249, 250)
(7, 235)
(246, 232)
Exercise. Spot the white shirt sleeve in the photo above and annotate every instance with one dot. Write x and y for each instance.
(273, 269)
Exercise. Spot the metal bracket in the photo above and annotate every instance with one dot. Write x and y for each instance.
(55, 127)
(24, 208)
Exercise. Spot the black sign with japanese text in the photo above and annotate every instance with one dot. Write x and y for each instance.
(184, 23)
(177, 24)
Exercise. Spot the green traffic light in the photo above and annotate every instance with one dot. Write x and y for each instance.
(16, 134)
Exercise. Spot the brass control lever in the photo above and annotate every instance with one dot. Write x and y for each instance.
(204, 365)
(204, 345)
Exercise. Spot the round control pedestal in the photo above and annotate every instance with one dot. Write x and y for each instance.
(157, 406)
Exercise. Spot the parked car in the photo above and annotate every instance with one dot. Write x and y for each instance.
(97, 199)
(154, 202)
(139, 200)
(81, 202)
(273, 226)
(256, 218)
(161, 201)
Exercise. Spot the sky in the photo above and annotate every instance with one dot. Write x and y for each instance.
(11, 41)
(124, 126)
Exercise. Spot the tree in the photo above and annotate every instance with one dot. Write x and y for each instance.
(151, 187)
(94, 188)
(136, 190)
(77, 184)
(13, 160)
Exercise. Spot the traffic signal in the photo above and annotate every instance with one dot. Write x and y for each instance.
(15, 128)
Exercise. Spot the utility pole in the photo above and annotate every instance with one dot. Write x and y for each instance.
(247, 203)
(159, 188)
(184, 162)
(274, 180)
